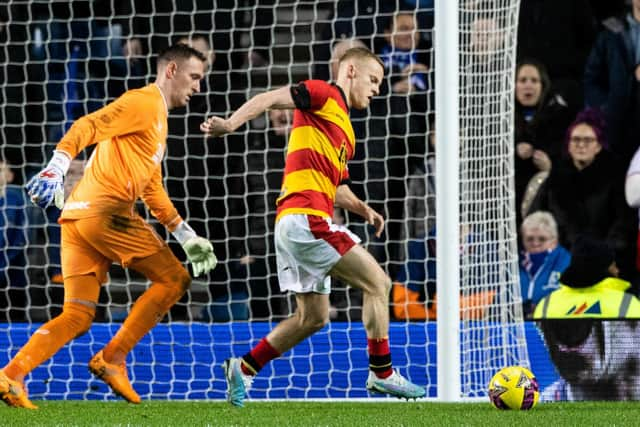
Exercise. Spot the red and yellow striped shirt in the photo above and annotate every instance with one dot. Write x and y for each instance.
(321, 142)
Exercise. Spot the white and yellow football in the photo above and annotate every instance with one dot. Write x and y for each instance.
(514, 387)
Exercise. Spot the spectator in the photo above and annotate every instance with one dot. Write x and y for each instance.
(541, 261)
(611, 80)
(82, 46)
(21, 92)
(482, 89)
(560, 36)
(421, 197)
(395, 145)
(194, 188)
(590, 286)
(363, 19)
(585, 192)
(632, 193)
(385, 145)
(231, 27)
(603, 10)
(410, 298)
(366, 20)
(255, 190)
(484, 43)
(404, 62)
(201, 43)
(485, 36)
(414, 292)
(541, 118)
(13, 242)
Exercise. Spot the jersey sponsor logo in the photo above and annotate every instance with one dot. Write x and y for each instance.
(76, 205)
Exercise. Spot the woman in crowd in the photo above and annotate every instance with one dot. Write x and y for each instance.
(542, 259)
(541, 118)
(585, 192)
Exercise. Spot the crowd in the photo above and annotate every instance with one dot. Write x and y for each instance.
(574, 137)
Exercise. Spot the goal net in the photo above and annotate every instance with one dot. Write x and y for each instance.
(61, 60)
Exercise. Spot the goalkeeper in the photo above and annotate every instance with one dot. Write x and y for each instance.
(309, 247)
(100, 226)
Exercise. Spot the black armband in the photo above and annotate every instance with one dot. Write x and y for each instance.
(301, 96)
(346, 181)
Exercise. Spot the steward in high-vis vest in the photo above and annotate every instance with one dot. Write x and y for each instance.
(589, 287)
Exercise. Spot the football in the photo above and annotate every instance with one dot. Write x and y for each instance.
(514, 387)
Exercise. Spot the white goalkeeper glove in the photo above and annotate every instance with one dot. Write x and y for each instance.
(198, 249)
(46, 186)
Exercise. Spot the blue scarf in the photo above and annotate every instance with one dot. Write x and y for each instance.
(533, 262)
(400, 58)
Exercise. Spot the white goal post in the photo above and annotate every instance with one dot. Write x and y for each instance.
(60, 60)
(475, 51)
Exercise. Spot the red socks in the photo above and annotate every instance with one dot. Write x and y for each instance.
(259, 356)
(380, 357)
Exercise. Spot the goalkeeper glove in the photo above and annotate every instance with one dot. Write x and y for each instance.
(46, 186)
(198, 249)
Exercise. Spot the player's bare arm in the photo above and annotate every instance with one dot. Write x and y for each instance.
(346, 199)
(275, 99)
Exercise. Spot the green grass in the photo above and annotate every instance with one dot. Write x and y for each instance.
(263, 414)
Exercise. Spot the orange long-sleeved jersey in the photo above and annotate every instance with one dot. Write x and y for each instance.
(131, 138)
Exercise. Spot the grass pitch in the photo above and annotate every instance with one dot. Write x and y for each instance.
(263, 414)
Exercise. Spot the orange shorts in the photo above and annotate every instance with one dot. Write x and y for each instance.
(91, 245)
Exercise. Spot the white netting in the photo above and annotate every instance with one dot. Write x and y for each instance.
(489, 272)
(61, 60)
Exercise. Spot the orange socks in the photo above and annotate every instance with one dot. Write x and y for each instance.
(49, 338)
(148, 310)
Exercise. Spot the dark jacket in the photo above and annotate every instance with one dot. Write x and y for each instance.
(545, 131)
(591, 201)
(610, 84)
(557, 33)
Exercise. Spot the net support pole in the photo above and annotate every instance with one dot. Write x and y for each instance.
(447, 199)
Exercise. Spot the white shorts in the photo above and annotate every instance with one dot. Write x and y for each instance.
(307, 248)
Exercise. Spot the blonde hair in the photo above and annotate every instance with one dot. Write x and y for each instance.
(543, 220)
(341, 47)
(360, 53)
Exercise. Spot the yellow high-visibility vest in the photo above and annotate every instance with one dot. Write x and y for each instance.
(606, 299)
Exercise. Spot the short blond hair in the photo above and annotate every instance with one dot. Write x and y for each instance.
(360, 53)
(342, 46)
(543, 220)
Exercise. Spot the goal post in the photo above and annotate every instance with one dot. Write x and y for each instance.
(446, 43)
(65, 59)
(475, 197)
